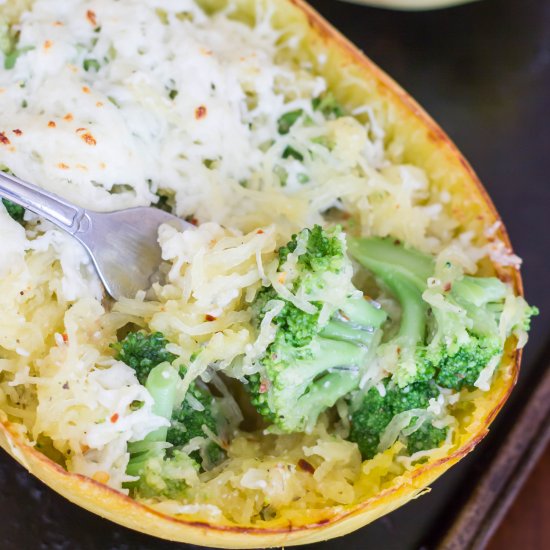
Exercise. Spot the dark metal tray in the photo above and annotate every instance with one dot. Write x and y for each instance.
(483, 72)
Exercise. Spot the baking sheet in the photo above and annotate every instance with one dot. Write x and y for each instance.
(483, 72)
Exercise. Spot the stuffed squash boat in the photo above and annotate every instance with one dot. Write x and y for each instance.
(340, 328)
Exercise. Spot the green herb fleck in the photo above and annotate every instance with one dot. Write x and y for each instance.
(91, 65)
(291, 152)
(14, 210)
(287, 120)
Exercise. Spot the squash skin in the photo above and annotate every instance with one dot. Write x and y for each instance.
(431, 149)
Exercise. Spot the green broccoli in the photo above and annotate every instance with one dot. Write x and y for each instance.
(425, 438)
(370, 417)
(143, 352)
(444, 342)
(313, 362)
(187, 423)
(451, 341)
(14, 210)
(161, 470)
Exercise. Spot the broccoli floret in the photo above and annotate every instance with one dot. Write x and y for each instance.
(463, 368)
(425, 438)
(296, 326)
(187, 423)
(371, 416)
(324, 252)
(313, 363)
(161, 470)
(142, 352)
(166, 475)
(458, 335)
(447, 335)
(14, 210)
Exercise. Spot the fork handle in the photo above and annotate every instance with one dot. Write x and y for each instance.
(60, 212)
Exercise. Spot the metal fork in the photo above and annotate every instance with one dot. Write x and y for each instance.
(122, 244)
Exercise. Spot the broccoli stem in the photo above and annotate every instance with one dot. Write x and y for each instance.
(330, 354)
(324, 393)
(480, 291)
(162, 384)
(413, 313)
(349, 332)
(387, 259)
(356, 321)
(405, 273)
(482, 298)
(362, 311)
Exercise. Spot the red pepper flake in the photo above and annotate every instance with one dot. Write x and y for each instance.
(99, 104)
(80, 130)
(193, 221)
(305, 466)
(17, 132)
(52, 124)
(48, 44)
(91, 17)
(447, 287)
(3, 139)
(63, 166)
(68, 117)
(263, 387)
(57, 24)
(114, 418)
(260, 232)
(85, 89)
(209, 317)
(88, 138)
(65, 337)
(200, 112)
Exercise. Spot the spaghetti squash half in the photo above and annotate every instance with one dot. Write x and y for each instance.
(341, 327)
